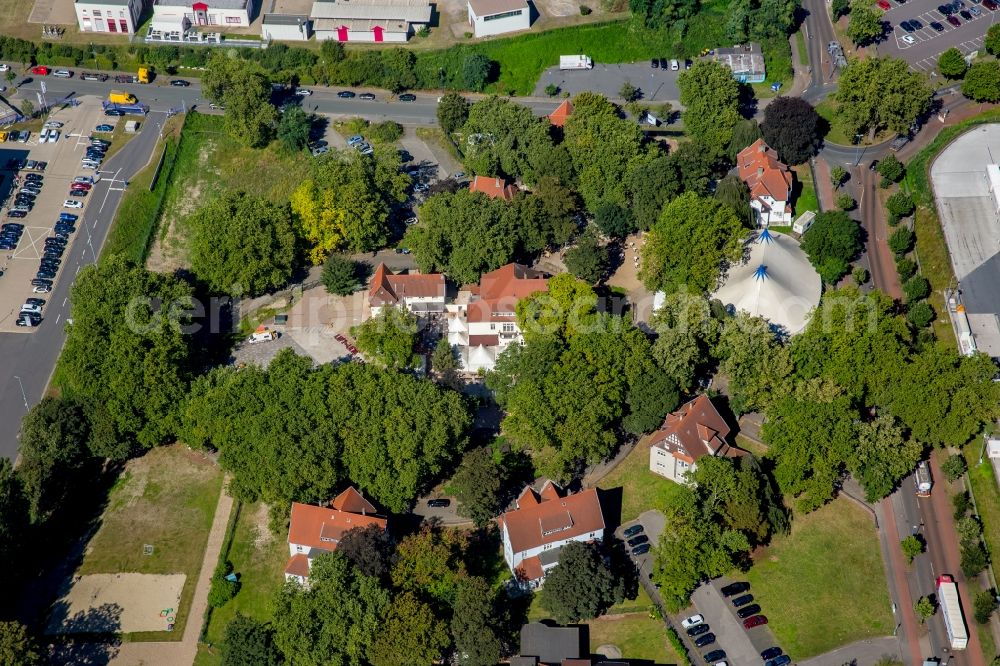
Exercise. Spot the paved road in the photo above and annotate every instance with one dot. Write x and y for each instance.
(29, 358)
(929, 43)
(819, 33)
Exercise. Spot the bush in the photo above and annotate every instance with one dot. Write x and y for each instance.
(920, 314)
(960, 504)
(838, 175)
(899, 204)
(222, 590)
(845, 202)
(585, 10)
(906, 268)
(552, 90)
(954, 467)
(860, 275)
(680, 649)
(901, 241)
(916, 288)
(983, 606)
(385, 132)
(974, 559)
(340, 275)
(891, 169)
(629, 92)
(911, 546)
(839, 8)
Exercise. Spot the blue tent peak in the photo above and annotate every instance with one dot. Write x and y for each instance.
(760, 273)
(765, 237)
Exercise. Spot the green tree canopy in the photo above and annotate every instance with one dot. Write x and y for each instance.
(294, 127)
(475, 622)
(249, 642)
(982, 81)
(883, 457)
(588, 259)
(503, 138)
(710, 97)
(478, 483)
(412, 634)
(831, 243)
(388, 337)
(17, 647)
(951, 63)
(452, 112)
(243, 244)
(759, 367)
(581, 586)
(476, 71)
(689, 243)
(244, 89)
(430, 562)
(340, 275)
(865, 23)
(791, 127)
(880, 93)
(686, 333)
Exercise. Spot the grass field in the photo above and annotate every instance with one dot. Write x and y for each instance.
(167, 499)
(800, 44)
(641, 489)
(827, 109)
(805, 189)
(208, 164)
(823, 585)
(258, 558)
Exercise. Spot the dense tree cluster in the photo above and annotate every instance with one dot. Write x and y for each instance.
(244, 89)
(880, 93)
(831, 243)
(581, 586)
(710, 96)
(294, 432)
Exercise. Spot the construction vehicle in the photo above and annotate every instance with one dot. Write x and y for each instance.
(145, 73)
(120, 97)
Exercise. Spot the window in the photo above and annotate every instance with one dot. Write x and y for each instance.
(507, 327)
(123, 24)
(503, 15)
(97, 13)
(298, 549)
(233, 19)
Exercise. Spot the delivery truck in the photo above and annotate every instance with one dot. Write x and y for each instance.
(120, 97)
(575, 62)
(951, 612)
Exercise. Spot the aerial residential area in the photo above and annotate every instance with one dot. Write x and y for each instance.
(482, 332)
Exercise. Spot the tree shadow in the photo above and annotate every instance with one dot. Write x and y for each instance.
(88, 637)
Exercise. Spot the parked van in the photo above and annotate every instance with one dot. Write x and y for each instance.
(674, 65)
(262, 334)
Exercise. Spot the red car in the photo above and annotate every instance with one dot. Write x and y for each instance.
(884, 5)
(990, 5)
(754, 621)
(40, 69)
(81, 186)
(954, 21)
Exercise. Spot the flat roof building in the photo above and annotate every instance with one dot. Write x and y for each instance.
(108, 16)
(496, 17)
(369, 20)
(746, 61)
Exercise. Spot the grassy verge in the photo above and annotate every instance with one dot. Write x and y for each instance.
(258, 559)
(931, 248)
(827, 109)
(823, 585)
(800, 44)
(167, 498)
(805, 189)
(641, 489)
(987, 494)
(436, 136)
(132, 229)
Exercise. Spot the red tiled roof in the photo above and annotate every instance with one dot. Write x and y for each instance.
(562, 112)
(530, 569)
(762, 171)
(494, 188)
(353, 502)
(388, 288)
(298, 565)
(699, 429)
(322, 527)
(551, 518)
(511, 281)
(484, 340)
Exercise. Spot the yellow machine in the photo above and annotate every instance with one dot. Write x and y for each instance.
(119, 97)
(144, 74)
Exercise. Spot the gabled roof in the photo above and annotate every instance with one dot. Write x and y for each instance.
(500, 290)
(762, 171)
(562, 112)
(551, 517)
(494, 188)
(695, 430)
(322, 527)
(298, 565)
(388, 288)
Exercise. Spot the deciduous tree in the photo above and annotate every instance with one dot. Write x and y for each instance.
(478, 483)
(982, 81)
(587, 259)
(759, 367)
(340, 275)
(412, 634)
(883, 457)
(388, 337)
(710, 97)
(17, 647)
(880, 93)
(581, 586)
(865, 24)
(911, 546)
(249, 642)
(791, 127)
(244, 89)
(992, 40)
(503, 138)
(951, 64)
(452, 112)
(475, 621)
(430, 562)
(294, 127)
(370, 548)
(476, 71)
(831, 243)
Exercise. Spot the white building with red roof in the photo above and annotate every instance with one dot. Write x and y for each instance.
(687, 435)
(315, 530)
(493, 187)
(482, 321)
(542, 523)
(418, 293)
(770, 183)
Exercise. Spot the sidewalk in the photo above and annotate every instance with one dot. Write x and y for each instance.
(182, 653)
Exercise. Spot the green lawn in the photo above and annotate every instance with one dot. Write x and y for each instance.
(259, 559)
(805, 190)
(800, 44)
(827, 109)
(641, 489)
(166, 498)
(823, 585)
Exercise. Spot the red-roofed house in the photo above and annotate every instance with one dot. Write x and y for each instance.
(562, 112)
(416, 292)
(542, 523)
(693, 431)
(315, 530)
(770, 183)
(481, 322)
(494, 188)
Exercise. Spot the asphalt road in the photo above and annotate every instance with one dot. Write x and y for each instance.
(162, 96)
(29, 358)
(929, 43)
(819, 33)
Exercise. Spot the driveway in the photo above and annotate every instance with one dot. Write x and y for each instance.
(742, 646)
(929, 43)
(657, 85)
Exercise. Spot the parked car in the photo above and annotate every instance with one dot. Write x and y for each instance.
(439, 503)
(41, 70)
(345, 94)
(104, 127)
(734, 588)
(707, 639)
(937, 26)
(915, 24)
(355, 140)
(698, 630)
(114, 112)
(28, 320)
(407, 97)
(367, 96)
(908, 39)
(303, 92)
(715, 656)
(784, 659)
(990, 5)
(17, 213)
(953, 20)
(53, 124)
(81, 186)
(632, 531)
(742, 600)
(770, 653)
(747, 611)
(642, 548)
(638, 540)
(319, 150)
(41, 289)
(70, 203)
(180, 83)
(965, 14)
(689, 622)
(884, 5)
(754, 621)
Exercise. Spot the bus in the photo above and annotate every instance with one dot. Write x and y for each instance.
(922, 479)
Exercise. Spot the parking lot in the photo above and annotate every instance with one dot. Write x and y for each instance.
(743, 647)
(929, 43)
(63, 157)
(657, 85)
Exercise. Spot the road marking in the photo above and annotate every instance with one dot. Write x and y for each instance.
(65, 298)
(58, 317)
(77, 269)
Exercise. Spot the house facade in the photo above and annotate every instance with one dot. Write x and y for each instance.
(542, 523)
(692, 432)
(315, 530)
(482, 320)
(185, 14)
(375, 21)
(420, 294)
(286, 27)
(769, 181)
(496, 17)
(110, 16)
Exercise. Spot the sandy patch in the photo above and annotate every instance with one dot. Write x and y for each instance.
(124, 602)
(262, 533)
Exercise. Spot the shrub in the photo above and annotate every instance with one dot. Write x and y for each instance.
(916, 288)
(860, 275)
(920, 314)
(899, 204)
(385, 132)
(974, 559)
(983, 606)
(222, 590)
(680, 649)
(585, 10)
(905, 268)
(911, 546)
(954, 467)
(845, 202)
(838, 175)
(891, 168)
(901, 241)
(552, 90)
(960, 504)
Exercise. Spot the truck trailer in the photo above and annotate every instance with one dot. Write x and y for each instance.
(575, 62)
(951, 611)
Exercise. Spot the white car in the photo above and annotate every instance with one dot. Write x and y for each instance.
(42, 289)
(43, 136)
(303, 92)
(63, 74)
(72, 203)
(692, 621)
(908, 39)
(4, 67)
(53, 124)
(31, 309)
(85, 179)
(53, 135)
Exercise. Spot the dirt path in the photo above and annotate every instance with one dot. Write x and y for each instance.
(183, 652)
